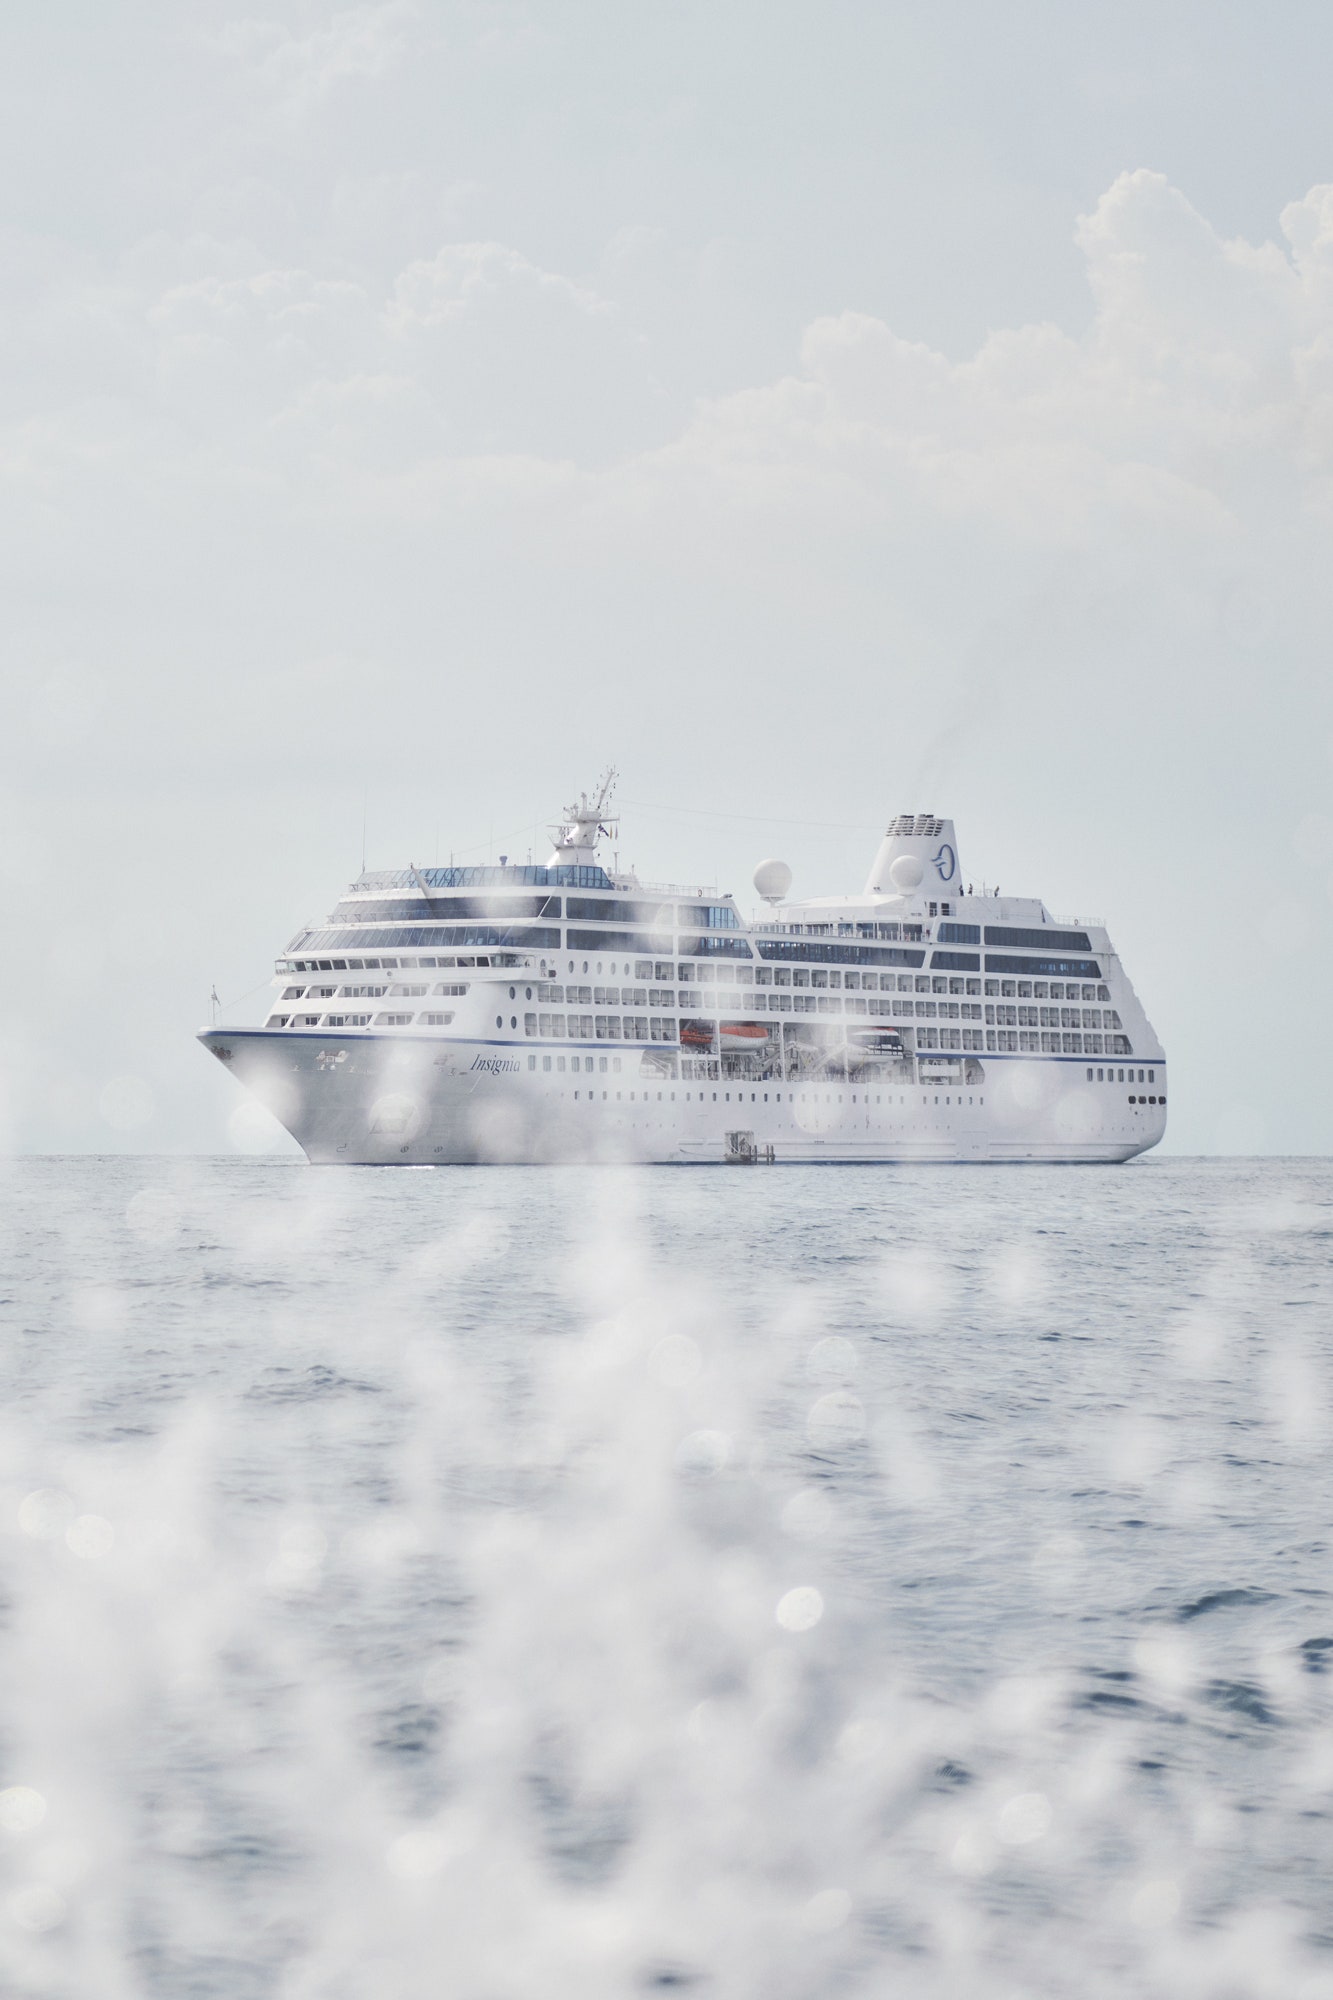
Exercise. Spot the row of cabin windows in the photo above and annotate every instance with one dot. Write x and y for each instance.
(659, 1028)
(1046, 989)
(666, 971)
(831, 979)
(737, 1000)
(740, 1000)
(930, 1096)
(825, 1003)
(438, 1019)
(396, 992)
(1053, 1017)
(1027, 1041)
(467, 960)
(596, 1027)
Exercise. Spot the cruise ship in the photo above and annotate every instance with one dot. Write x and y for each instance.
(570, 1012)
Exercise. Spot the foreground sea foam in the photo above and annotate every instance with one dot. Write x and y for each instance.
(785, 1582)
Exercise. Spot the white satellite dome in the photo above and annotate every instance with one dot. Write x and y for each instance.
(772, 879)
(906, 873)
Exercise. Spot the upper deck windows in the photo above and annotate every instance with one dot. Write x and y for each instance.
(889, 933)
(620, 910)
(518, 936)
(710, 945)
(514, 877)
(708, 917)
(812, 952)
(957, 961)
(1044, 939)
(633, 941)
(1068, 968)
(423, 909)
(961, 934)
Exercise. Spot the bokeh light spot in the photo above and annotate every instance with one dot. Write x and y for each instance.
(46, 1514)
(800, 1609)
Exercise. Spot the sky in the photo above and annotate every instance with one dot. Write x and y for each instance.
(820, 413)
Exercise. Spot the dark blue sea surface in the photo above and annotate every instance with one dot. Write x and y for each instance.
(765, 1582)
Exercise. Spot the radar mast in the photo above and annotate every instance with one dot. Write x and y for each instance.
(583, 825)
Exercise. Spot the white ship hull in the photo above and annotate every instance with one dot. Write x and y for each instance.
(373, 1100)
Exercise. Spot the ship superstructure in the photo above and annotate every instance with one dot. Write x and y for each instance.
(570, 1012)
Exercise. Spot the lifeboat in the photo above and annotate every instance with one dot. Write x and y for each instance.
(743, 1035)
(696, 1034)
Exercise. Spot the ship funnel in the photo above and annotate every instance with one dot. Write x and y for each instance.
(917, 857)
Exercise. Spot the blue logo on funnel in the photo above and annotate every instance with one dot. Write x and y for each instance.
(945, 863)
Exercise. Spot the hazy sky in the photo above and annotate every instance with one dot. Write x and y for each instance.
(822, 412)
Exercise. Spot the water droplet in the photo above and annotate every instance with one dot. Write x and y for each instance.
(46, 1514)
(800, 1609)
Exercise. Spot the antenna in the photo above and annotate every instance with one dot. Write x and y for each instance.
(586, 821)
(605, 789)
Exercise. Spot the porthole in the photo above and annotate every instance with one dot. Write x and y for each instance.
(528, 991)
(513, 1020)
(499, 1020)
(514, 995)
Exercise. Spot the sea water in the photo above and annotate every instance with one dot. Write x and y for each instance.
(734, 1582)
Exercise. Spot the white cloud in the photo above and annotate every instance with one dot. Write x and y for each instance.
(255, 342)
(463, 277)
(1202, 371)
(1200, 394)
(300, 69)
